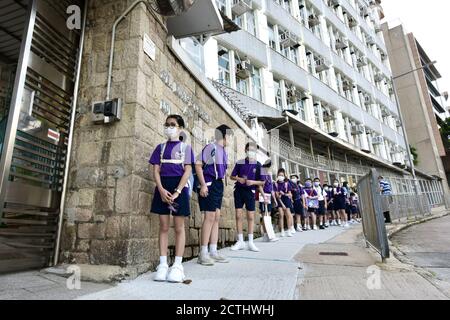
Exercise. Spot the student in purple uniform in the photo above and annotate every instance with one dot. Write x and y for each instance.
(330, 210)
(322, 210)
(285, 206)
(312, 203)
(172, 166)
(339, 202)
(247, 174)
(267, 197)
(211, 170)
(298, 195)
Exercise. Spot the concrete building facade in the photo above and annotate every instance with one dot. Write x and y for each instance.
(421, 102)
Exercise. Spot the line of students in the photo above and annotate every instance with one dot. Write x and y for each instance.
(177, 172)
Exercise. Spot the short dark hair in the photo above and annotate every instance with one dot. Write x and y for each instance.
(251, 144)
(178, 118)
(267, 164)
(308, 179)
(222, 131)
(294, 176)
(282, 171)
(316, 179)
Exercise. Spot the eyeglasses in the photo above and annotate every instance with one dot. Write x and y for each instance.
(171, 125)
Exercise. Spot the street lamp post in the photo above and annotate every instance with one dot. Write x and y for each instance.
(397, 102)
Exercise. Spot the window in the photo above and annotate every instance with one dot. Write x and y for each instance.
(224, 66)
(256, 84)
(251, 25)
(278, 97)
(317, 114)
(242, 85)
(221, 5)
(272, 41)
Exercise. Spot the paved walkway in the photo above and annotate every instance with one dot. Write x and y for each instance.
(427, 246)
(267, 275)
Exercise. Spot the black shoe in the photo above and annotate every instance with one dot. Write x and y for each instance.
(304, 229)
(322, 227)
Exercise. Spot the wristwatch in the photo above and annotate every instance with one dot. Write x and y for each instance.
(177, 190)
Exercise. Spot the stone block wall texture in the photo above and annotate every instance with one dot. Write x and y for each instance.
(107, 219)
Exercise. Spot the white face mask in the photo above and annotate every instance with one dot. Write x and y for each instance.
(294, 180)
(326, 189)
(281, 178)
(336, 185)
(171, 133)
(251, 154)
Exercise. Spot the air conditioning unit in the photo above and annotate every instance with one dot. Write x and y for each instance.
(293, 94)
(352, 22)
(378, 77)
(322, 64)
(239, 7)
(328, 115)
(370, 40)
(396, 149)
(335, 3)
(361, 62)
(288, 39)
(391, 91)
(364, 12)
(347, 85)
(244, 70)
(358, 129)
(384, 112)
(377, 140)
(341, 44)
(313, 20)
(368, 100)
(377, 27)
(398, 123)
(172, 7)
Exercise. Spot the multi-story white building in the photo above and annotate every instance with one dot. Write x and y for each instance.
(323, 60)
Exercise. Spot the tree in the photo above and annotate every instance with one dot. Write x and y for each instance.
(414, 155)
(445, 134)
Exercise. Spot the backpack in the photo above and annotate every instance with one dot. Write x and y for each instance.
(183, 148)
(211, 161)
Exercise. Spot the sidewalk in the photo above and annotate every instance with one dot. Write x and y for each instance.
(268, 275)
(346, 277)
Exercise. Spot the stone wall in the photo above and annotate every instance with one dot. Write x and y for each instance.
(107, 219)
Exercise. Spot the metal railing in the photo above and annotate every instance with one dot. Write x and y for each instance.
(372, 214)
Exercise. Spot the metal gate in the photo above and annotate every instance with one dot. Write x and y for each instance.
(372, 214)
(36, 140)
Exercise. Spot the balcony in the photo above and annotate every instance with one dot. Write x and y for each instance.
(437, 105)
(288, 70)
(246, 43)
(282, 17)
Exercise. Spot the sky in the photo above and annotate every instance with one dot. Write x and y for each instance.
(429, 21)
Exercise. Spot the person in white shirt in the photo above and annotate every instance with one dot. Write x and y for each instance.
(322, 210)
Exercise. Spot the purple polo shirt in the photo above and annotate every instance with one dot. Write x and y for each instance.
(284, 187)
(173, 151)
(248, 170)
(297, 191)
(218, 152)
(268, 183)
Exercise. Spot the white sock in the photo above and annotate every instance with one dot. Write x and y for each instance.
(213, 249)
(204, 250)
(250, 238)
(240, 237)
(162, 260)
(178, 261)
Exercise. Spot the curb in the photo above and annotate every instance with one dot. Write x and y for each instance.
(396, 229)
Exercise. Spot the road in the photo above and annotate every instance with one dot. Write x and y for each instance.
(427, 246)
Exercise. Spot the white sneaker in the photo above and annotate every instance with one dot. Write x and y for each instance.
(274, 240)
(205, 260)
(161, 273)
(334, 223)
(240, 245)
(283, 234)
(315, 228)
(266, 238)
(346, 225)
(219, 258)
(252, 247)
(339, 222)
(308, 227)
(176, 274)
(293, 231)
(289, 234)
(299, 228)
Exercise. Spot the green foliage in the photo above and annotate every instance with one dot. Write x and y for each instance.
(414, 155)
